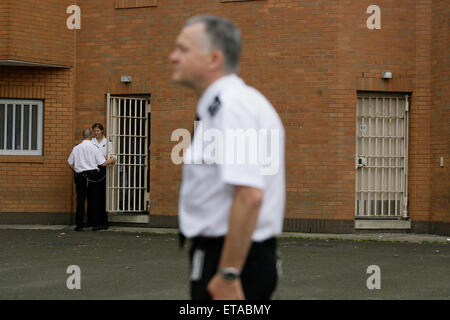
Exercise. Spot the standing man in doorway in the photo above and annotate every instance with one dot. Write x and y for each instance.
(84, 160)
(231, 212)
(100, 141)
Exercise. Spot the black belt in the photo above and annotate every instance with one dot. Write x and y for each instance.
(200, 240)
(90, 171)
(93, 176)
(87, 171)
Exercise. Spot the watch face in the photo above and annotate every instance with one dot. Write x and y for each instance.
(229, 274)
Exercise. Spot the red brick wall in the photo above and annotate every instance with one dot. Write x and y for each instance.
(36, 32)
(4, 25)
(40, 183)
(419, 132)
(440, 126)
(309, 58)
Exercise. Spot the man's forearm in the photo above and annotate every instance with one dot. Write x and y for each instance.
(108, 162)
(242, 223)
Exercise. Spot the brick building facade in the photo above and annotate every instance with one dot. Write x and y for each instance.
(313, 60)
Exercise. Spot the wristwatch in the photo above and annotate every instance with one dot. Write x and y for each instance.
(229, 273)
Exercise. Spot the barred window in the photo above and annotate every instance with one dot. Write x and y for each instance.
(21, 123)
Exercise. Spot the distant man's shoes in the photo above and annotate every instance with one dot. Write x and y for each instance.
(78, 229)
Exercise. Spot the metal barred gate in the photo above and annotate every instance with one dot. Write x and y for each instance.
(381, 186)
(127, 189)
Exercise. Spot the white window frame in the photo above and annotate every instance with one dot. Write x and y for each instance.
(40, 126)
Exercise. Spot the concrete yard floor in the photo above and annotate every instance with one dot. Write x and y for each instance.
(140, 265)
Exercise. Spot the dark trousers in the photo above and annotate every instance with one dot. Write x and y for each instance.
(258, 277)
(84, 191)
(89, 186)
(101, 192)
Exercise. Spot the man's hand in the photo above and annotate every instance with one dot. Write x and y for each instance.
(221, 289)
(108, 162)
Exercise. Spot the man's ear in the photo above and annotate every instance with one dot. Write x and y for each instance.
(217, 60)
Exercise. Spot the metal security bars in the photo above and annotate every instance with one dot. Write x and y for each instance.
(21, 123)
(381, 156)
(128, 130)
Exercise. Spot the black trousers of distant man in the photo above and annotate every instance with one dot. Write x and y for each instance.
(258, 277)
(101, 191)
(89, 186)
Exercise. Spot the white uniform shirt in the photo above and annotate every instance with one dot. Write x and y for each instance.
(85, 156)
(102, 145)
(207, 187)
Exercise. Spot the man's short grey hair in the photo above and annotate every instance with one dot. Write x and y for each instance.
(222, 35)
(87, 133)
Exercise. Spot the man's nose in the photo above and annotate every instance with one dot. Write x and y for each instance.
(173, 56)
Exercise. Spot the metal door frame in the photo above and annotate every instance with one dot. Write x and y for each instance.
(119, 189)
(363, 208)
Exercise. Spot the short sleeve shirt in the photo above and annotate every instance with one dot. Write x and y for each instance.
(238, 141)
(102, 145)
(86, 156)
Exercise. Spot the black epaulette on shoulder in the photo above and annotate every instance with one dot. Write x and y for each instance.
(214, 107)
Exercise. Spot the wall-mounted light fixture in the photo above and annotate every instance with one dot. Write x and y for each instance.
(125, 79)
(386, 75)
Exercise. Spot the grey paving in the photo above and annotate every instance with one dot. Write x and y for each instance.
(131, 263)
